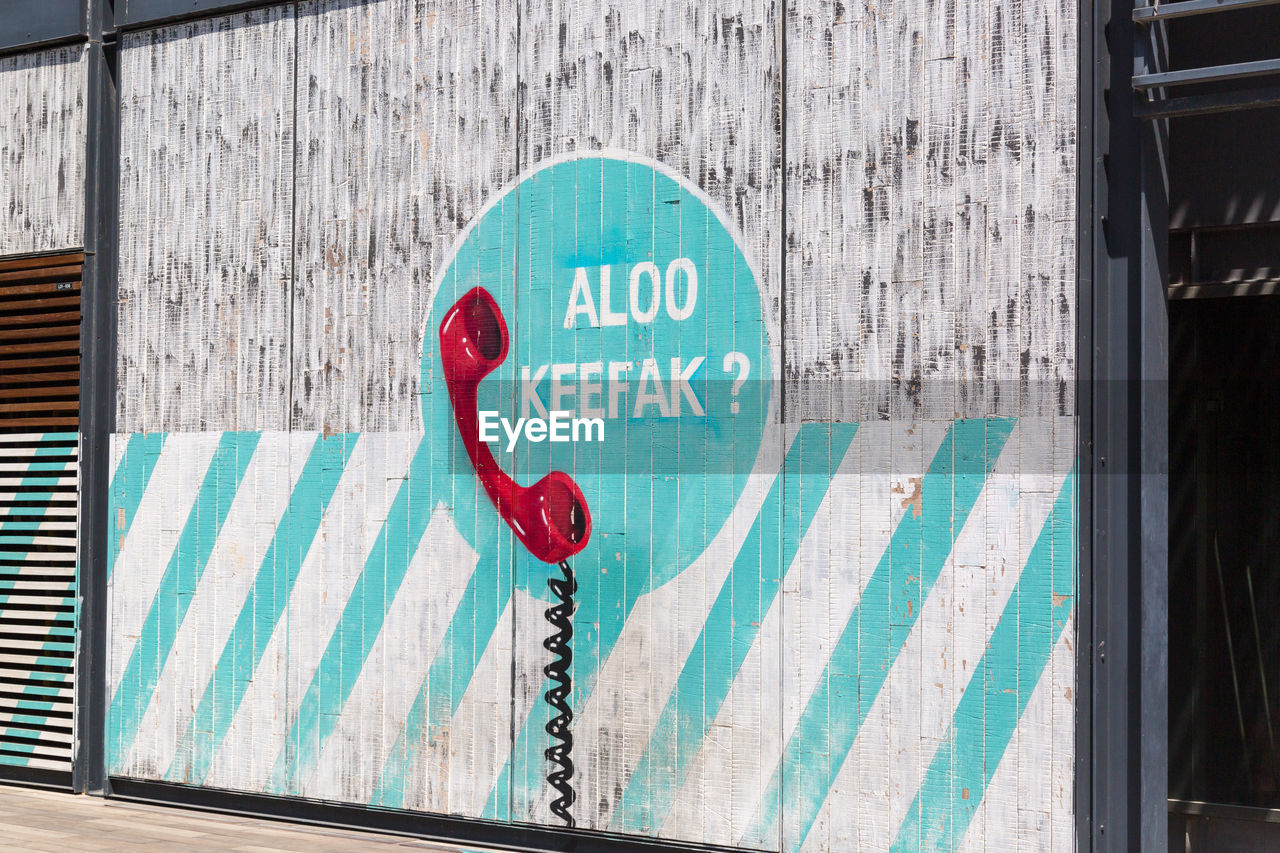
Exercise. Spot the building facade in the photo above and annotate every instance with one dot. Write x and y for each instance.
(824, 272)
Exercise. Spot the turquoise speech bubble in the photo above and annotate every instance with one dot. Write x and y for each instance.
(628, 304)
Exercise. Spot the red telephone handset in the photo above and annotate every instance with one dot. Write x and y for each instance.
(550, 517)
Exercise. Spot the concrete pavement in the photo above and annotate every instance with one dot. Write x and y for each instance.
(55, 822)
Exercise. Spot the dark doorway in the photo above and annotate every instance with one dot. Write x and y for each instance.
(1224, 433)
(1224, 557)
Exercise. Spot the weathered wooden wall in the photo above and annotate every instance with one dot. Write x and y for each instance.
(406, 126)
(206, 224)
(902, 178)
(42, 150)
(930, 197)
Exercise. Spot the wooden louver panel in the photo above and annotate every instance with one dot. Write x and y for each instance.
(39, 488)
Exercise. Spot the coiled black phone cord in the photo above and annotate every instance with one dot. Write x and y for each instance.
(559, 644)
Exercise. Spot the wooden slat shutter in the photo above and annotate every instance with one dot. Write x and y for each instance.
(39, 490)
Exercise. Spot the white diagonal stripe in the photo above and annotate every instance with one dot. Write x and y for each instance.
(233, 566)
(148, 544)
(352, 758)
(871, 488)
(1037, 801)
(117, 443)
(913, 711)
(350, 527)
(636, 681)
(455, 775)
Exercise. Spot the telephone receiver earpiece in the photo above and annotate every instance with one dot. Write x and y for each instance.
(550, 517)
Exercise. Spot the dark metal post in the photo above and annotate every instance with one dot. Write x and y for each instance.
(1091, 62)
(1124, 452)
(1153, 474)
(97, 393)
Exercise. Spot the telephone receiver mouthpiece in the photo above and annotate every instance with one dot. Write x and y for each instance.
(550, 517)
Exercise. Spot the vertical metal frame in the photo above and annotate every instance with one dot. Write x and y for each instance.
(97, 394)
(1122, 738)
(1152, 602)
(1088, 160)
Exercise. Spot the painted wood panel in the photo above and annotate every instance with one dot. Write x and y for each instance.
(696, 89)
(839, 666)
(206, 194)
(42, 150)
(930, 273)
(890, 186)
(406, 127)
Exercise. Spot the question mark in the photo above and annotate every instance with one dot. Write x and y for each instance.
(739, 360)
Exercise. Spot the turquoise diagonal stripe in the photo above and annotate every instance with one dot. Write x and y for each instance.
(586, 667)
(876, 631)
(262, 609)
(732, 625)
(605, 601)
(359, 625)
(600, 632)
(1003, 682)
(451, 670)
(141, 453)
(177, 585)
(596, 634)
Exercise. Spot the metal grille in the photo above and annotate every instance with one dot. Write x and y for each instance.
(1157, 86)
(39, 487)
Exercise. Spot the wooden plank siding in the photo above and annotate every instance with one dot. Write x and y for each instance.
(42, 150)
(900, 176)
(205, 259)
(39, 490)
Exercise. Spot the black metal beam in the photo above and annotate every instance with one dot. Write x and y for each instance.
(1212, 74)
(1149, 483)
(1188, 8)
(444, 828)
(29, 25)
(97, 395)
(1123, 635)
(135, 14)
(1091, 60)
(1219, 102)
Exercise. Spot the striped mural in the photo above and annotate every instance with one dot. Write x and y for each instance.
(274, 631)
(815, 266)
